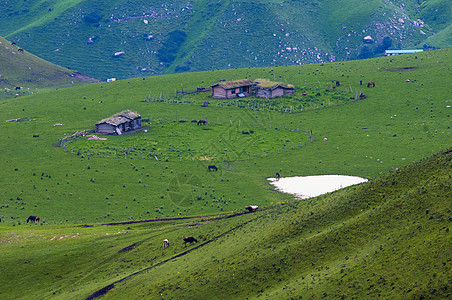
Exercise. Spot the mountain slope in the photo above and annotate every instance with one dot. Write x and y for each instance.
(32, 74)
(387, 238)
(85, 35)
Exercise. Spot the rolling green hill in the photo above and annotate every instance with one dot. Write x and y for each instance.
(32, 74)
(385, 238)
(155, 37)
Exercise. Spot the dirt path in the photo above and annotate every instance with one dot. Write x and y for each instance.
(217, 217)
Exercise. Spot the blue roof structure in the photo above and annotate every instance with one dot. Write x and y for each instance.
(396, 52)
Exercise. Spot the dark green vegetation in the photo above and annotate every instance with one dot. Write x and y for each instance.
(385, 238)
(32, 74)
(160, 37)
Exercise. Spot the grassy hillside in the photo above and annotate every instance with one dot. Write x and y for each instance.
(162, 172)
(32, 74)
(387, 238)
(181, 36)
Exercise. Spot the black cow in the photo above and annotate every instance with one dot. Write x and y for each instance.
(33, 219)
(212, 167)
(189, 239)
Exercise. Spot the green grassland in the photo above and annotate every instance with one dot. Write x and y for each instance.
(162, 38)
(32, 74)
(385, 238)
(147, 174)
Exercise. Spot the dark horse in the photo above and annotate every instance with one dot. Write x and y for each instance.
(33, 219)
(189, 239)
(371, 84)
(202, 122)
(212, 167)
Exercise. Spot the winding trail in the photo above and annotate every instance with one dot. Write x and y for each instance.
(217, 217)
(107, 288)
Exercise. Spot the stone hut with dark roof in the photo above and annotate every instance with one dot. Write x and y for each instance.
(232, 89)
(119, 123)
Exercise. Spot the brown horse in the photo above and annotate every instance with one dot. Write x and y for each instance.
(371, 84)
(202, 122)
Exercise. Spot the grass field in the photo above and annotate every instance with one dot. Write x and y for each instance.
(138, 176)
(384, 238)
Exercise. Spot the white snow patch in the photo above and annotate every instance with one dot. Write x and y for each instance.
(312, 186)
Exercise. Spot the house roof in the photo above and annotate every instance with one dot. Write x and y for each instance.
(121, 117)
(234, 83)
(267, 84)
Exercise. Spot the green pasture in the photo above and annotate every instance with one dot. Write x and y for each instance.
(162, 172)
(382, 239)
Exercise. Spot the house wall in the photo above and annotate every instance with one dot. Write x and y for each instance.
(229, 93)
(277, 92)
(218, 92)
(263, 93)
(289, 91)
(105, 128)
(137, 123)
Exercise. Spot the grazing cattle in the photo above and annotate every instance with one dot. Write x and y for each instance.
(189, 239)
(251, 208)
(212, 167)
(33, 219)
(165, 243)
(304, 94)
(371, 84)
(13, 43)
(17, 88)
(20, 50)
(352, 98)
(202, 122)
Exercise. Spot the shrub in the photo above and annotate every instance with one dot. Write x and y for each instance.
(92, 18)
